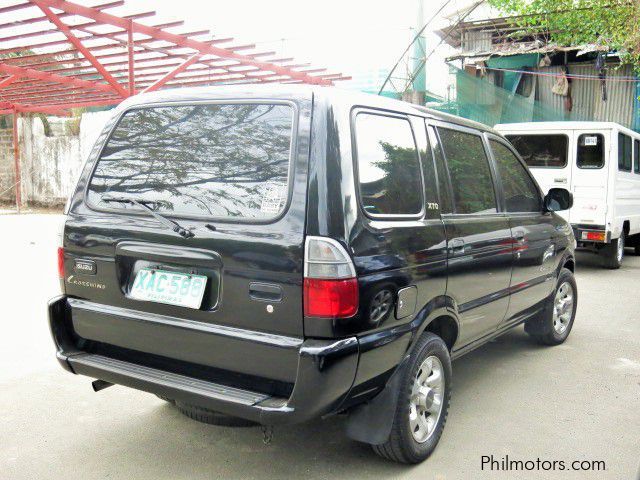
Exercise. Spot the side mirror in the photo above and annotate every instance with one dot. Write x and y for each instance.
(558, 199)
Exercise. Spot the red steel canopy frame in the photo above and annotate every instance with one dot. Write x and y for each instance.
(56, 55)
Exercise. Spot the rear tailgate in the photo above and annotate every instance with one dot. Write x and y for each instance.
(221, 170)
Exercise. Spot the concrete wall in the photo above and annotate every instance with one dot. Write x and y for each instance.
(50, 164)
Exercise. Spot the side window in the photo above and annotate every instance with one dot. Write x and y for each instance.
(636, 156)
(624, 152)
(542, 151)
(590, 153)
(389, 173)
(446, 203)
(520, 193)
(469, 170)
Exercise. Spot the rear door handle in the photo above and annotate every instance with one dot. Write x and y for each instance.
(519, 235)
(265, 292)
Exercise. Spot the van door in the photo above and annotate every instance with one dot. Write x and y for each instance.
(533, 231)
(549, 155)
(590, 177)
(478, 235)
(231, 295)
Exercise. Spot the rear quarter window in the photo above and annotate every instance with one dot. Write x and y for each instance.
(388, 166)
(206, 160)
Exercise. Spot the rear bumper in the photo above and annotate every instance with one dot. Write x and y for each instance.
(580, 230)
(326, 372)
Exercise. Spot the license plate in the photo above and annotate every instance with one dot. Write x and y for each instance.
(169, 287)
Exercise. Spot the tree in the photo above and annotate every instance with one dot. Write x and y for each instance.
(614, 24)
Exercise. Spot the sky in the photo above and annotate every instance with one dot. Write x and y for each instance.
(348, 36)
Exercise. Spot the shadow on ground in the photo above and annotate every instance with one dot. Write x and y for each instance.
(161, 440)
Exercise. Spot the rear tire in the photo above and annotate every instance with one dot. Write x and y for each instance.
(211, 417)
(423, 403)
(553, 326)
(613, 254)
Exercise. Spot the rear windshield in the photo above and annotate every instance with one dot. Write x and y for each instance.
(213, 160)
(547, 151)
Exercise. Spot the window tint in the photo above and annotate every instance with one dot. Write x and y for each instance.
(624, 152)
(590, 150)
(469, 170)
(388, 166)
(446, 202)
(636, 156)
(548, 151)
(212, 160)
(520, 193)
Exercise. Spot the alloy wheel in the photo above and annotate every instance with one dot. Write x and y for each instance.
(563, 308)
(427, 398)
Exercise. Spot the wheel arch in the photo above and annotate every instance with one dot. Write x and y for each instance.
(439, 316)
(371, 421)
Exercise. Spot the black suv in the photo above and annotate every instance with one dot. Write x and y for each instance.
(281, 254)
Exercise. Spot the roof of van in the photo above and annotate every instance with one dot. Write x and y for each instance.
(333, 94)
(570, 125)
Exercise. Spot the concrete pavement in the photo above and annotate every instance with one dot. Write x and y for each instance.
(578, 401)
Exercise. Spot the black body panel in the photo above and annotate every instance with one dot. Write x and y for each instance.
(248, 350)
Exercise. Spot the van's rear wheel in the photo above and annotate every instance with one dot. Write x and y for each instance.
(212, 417)
(613, 253)
(423, 403)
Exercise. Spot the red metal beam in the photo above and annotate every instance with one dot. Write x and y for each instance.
(13, 8)
(59, 111)
(38, 56)
(180, 68)
(99, 102)
(81, 48)
(64, 42)
(8, 81)
(199, 46)
(52, 77)
(48, 31)
(130, 55)
(26, 21)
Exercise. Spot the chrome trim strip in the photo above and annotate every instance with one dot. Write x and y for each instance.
(275, 340)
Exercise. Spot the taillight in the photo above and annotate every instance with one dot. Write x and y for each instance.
(595, 236)
(60, 262)
(330, 283)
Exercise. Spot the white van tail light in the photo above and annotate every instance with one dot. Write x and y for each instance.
(330, 283)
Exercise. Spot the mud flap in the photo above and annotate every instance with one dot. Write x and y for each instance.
(540, 324)
(371, 422)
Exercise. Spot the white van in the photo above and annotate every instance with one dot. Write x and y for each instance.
(599, 162)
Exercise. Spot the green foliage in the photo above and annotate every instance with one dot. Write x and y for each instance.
(400, 166)
(614, 24)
